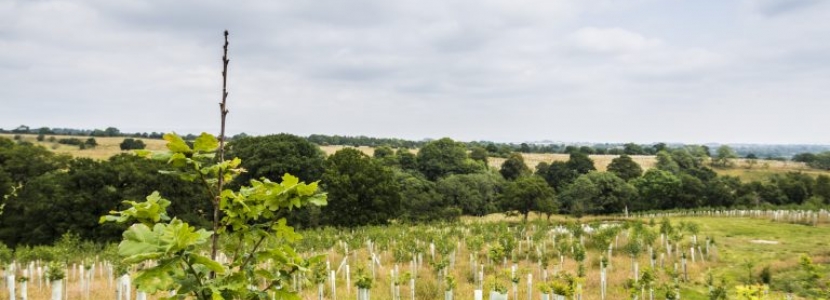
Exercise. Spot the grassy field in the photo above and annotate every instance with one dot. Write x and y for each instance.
(107, 146)
(737, 241)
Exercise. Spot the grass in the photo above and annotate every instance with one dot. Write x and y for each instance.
(107, 146)
(733, 238)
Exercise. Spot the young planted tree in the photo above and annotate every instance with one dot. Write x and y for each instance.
(261, 260)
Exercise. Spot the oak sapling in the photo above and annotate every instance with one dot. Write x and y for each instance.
(249, 216)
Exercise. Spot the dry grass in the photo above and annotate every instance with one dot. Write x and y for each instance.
(762, 169)
(107, 146)
(601, 162)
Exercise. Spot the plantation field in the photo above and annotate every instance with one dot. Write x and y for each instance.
(541, 249)
(107, 146)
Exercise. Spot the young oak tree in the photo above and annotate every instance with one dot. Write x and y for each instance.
(247, 216)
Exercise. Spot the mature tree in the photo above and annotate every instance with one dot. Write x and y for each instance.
(443, 157)
(690, 195)
(822, 187)
(386, 156)
(361, 191)
(659, 147)
(479, 154)
(633, 149)
(24, 162)
(6, 185)
(383, 152)
(272, 156)
(797, 187)
(658, 189)
(625, 168)
(514, 167)
(724, 157)
(577, 197)
(559, 175)
(406, 159)
(580, 163)
(476, 194)
(821, 161)
(54, 203)
(666, 163)
(722, 191)
(420, 201)
(587, 150)
(526, 194)
(112, 131)
(805, 157)
(524, 148)
(598, 193)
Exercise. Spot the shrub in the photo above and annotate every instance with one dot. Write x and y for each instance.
(132, 144)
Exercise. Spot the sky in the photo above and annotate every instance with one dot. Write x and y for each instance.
(701, 71)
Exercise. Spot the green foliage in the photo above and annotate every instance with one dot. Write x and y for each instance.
(55, 271)
(423, 203)
(132, 144)
(625, 167)
(363, 281)
(54, 203)
(580, 163)
(558, 175)
(528, 193)
(443, 157)
(475, 194)
(724, 157)
(479, 154)
(658, 189)
(514, 167)
(598, 193)
(6, 255)
(449, 283)
(271, 156)
(361, 190)
(249, 216)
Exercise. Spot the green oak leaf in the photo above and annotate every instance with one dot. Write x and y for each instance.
(205, 143)
(176, 144)
(208, 263)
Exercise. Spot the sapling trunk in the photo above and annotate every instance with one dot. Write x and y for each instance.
(214, 247)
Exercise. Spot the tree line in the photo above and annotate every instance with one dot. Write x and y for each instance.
(47, 195)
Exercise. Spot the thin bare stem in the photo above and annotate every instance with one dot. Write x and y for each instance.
(221, 151)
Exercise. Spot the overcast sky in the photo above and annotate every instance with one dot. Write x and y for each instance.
(755, 71)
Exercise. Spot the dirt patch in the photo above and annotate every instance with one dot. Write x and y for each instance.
(765, 242)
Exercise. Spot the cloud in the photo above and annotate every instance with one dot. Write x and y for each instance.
(502, 70)
(772, 8)
(612, 40)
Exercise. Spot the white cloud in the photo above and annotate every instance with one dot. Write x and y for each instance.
(469, 69)
(612, 40)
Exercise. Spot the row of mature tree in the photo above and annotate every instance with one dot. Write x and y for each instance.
(50, 194)
(817, 161)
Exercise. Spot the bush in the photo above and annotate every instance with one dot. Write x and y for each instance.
(70, 141)
(766, 275)
(91, 143)
(132, 144)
